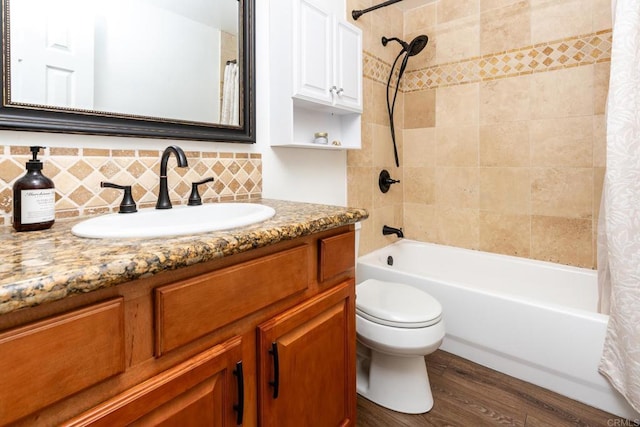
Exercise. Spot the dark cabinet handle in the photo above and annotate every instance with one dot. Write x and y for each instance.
(128, 205)
(239, 408)
(194, 197)
(276, 370)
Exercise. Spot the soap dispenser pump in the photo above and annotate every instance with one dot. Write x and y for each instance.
(33, 197)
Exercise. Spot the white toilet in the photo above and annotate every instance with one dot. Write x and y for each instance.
(396, 326)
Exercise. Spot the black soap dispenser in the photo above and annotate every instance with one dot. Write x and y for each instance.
(33, 198)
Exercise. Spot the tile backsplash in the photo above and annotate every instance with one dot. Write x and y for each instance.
(77, 173)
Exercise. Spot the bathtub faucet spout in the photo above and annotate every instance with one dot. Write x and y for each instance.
(386, 230)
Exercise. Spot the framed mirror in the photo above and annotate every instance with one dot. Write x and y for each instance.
(144, 68)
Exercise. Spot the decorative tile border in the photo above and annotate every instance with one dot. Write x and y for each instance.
(571, 52)
(77, 173)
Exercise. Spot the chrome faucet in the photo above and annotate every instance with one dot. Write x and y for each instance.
(163, 195)
(386, 230)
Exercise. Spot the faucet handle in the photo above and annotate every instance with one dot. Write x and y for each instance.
(128, 205)
(194, 198)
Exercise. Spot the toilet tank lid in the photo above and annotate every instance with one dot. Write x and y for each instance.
(396, 302)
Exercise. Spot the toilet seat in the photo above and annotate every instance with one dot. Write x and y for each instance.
(396, 304)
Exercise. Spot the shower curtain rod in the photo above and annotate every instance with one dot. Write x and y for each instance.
(358, 13)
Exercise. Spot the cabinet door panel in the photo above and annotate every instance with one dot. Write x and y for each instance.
(348, 66)
(313, 40)
(198, 392)
(316, 354)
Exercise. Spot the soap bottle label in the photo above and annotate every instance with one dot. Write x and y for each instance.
(37, 205)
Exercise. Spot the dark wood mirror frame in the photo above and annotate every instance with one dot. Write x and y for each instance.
(45, 119)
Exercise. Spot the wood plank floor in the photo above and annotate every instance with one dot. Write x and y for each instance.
(467, 394)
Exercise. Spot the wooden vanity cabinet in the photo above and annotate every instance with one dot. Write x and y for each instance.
(196, 346)
(307, 363)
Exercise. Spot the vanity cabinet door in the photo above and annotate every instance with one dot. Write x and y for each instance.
(306, 362)
(205, 390)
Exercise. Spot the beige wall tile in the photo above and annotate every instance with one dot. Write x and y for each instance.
(505, 100)
(562, 240)
(601, 15)
(562, 192)
(457, 146)
(359, 187)
(565, 142)
(562, 93)
(419, 147)
(558, 19)
(420, 18)
(599, 141)
(418, 185)
(457, 187)
(505, 28)
(600, 86)
(505, 234)
(486, 5)
(598, 184)
(419, 110)
(420, 222)
(505, 144)
(505, 190)
(457, 105)
(383, 146)
(451, 10)
(458, 40)
(458, 227)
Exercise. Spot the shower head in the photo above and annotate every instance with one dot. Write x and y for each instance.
(417, 44)
(413, 48)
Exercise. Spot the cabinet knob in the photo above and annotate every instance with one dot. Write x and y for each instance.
(333, 89)
(339, 91)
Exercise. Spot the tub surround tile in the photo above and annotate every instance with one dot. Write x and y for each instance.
(457, 146)
(562, 240)
(553, 19)
(502, 28)
(506, 234)
(563, 142)
(495, 82)
(505, 144)
(458, 227)
(505, 190)
(562, 93)
(562, 192)
(505, 100)
(53, 264)
(419, 147)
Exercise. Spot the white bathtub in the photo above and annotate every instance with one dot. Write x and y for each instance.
(533, 320)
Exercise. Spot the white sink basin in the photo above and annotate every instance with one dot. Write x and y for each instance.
(178, 221)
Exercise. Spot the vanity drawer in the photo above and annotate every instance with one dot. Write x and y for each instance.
(48, 360)
(337, 255)
(195, 307)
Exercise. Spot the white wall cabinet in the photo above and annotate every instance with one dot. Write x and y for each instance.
(327, 58)
(315, 75)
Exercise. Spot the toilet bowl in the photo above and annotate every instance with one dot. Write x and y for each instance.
(396, 326)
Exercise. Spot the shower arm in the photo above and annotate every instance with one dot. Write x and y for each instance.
(358, 13)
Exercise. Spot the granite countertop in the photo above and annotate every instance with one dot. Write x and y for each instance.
(49, 265)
